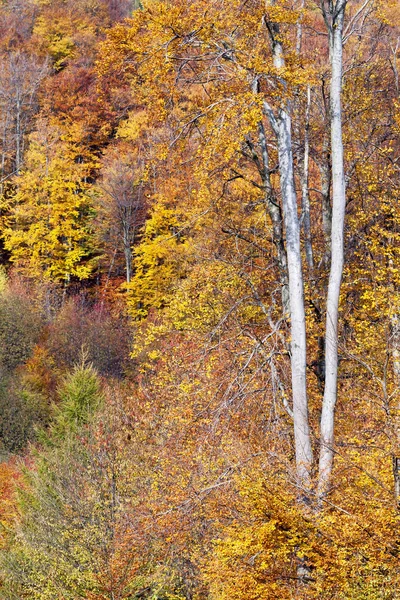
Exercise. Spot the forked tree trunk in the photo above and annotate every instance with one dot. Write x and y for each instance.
(334, 20)
(296, 299)
(282, 127)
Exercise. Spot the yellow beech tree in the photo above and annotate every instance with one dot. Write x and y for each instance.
(160, 259)
(47, 230)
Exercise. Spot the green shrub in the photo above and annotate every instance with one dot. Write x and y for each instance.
(80, 396)
(22, 412)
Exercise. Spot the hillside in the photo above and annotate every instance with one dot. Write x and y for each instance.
(199, 300)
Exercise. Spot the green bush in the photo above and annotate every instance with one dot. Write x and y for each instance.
(22, 412)
(80, 395)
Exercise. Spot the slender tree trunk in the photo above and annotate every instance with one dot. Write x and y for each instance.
(395, 348)
(296, 295)
(275, 213)
(18, 135)
(128, 261)
(282, 127)
(305, 196)
(335, 24)
(326, 181)
(3, 155)
(304, 173)
(395, 335)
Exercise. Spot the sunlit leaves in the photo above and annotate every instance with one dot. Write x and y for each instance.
(48, 229)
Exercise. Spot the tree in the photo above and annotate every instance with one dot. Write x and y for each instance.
(103, 336)
(282, 126)
(48, 227)
(121, 200)
(201, 481)
(334, 20)
(21, 75)
(75, 534)
(159, 262)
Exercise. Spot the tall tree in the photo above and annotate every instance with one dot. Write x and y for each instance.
(334, 19)
(282, 127)
(48, 231)
(20, 76)
(121, 201)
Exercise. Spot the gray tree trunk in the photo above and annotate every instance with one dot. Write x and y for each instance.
(334, 20)
(275, 213)
(296, 299)
(282, 127)
(395, 348)
(326, 181)
(305, 196)
(128, 255)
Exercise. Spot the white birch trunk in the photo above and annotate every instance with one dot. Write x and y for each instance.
(282, 127)
(296, 301)
(337, 250)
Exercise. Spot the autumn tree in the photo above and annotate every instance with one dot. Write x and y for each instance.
(121, 201)
(48, 231)
(240, 161)
(21, 75)
(83, 484)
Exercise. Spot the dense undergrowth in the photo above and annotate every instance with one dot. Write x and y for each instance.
(146, 422)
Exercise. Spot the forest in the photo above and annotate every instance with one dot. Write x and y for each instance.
(199, 299)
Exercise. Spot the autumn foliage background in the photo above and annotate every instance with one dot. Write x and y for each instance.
(146, 424)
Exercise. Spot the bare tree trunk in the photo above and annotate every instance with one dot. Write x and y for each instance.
(275, 213)
(18, 139)
(305, 196)
(396, 477)
(4, 150)
(334, 20)
(128, 257)
(296, 295)
(395, 348)
(304, 173)
(326, 181)
(282, 128)
(395, 335)
(20, 77)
